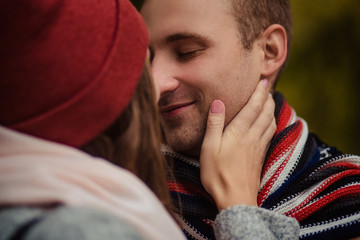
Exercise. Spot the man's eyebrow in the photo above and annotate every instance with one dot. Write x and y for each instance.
(185, 36)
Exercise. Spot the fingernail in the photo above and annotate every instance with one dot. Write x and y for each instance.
(217, 107)
(265, 83)
(270, 95)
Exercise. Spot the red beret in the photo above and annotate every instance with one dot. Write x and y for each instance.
(68, 68)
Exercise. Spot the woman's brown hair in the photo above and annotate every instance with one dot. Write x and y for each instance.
(133, 141)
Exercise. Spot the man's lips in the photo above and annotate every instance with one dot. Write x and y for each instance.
(174, 109)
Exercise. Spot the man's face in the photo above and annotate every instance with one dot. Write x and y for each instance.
(197, 57)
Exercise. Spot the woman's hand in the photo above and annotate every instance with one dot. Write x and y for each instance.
(231, 160)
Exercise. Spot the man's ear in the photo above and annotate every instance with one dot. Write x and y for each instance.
(274, 45)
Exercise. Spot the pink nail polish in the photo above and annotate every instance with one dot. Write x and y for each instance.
(265, 83)
(217, 107)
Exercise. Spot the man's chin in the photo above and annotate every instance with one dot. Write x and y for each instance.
(193, 152)
(187, 136)
(185, 145)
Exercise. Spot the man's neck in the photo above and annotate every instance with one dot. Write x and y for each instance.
(192, 153)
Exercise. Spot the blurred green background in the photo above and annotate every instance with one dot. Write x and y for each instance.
(322, 79)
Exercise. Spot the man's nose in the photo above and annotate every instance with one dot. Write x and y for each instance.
(164, 75)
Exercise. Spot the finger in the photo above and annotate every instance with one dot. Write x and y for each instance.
(269, 133)
(246, 117)
(263, 121)
(254, 106)
(214, 127)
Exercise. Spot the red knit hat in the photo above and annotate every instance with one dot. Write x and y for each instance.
(68, 68)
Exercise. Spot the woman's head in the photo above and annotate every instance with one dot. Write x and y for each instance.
(68, 68)
(133, 141)
(70, 74)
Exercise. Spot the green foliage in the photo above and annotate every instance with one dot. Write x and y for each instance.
(322, 79)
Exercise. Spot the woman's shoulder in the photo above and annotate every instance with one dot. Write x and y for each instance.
(63, 223)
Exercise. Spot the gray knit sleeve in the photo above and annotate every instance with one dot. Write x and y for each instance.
(247, 222)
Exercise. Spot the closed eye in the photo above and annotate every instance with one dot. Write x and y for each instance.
(189, 55)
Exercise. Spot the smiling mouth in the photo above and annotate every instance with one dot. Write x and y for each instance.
(173, 110)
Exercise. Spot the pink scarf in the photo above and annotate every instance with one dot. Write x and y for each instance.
(37, 173)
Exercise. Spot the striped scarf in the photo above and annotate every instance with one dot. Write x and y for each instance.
(302, 178)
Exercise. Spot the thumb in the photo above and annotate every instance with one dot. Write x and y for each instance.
(215, 126)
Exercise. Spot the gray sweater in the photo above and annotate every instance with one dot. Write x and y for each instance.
(246, 222)
(78, 223)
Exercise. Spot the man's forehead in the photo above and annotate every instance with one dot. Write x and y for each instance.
(178, 22)
(167, 14)
(174, 36)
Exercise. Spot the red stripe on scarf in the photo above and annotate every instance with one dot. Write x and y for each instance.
(336, 195)
(288, 144)
(284, 117)
(299, 210)
(343, 165)
(189, 190)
